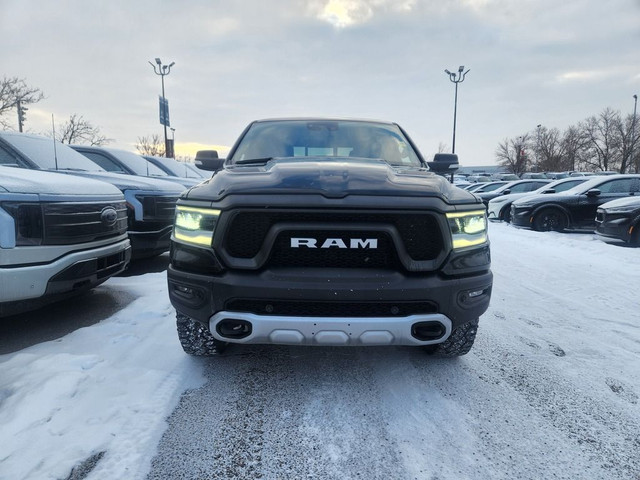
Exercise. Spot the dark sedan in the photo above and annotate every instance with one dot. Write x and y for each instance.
(573, 209)
(618, 221)
(516, 186)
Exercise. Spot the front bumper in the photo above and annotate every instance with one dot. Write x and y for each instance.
(349, 301)
(76, 271)
(521, 217)
(146, 244)
(336, 331)
(616, 232)
(494, 211)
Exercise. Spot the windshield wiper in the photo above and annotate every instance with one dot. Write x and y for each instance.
(68, 169)
(253, 161)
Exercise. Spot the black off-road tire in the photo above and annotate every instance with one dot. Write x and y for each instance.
(196, 339)
(459, 343)
(550, 220)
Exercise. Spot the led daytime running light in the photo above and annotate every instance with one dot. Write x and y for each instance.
(468, 229)
(194, 225)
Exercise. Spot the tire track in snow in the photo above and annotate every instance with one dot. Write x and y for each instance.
(585, 421)
(281, 412)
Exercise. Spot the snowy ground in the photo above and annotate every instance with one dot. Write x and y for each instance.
(551, 389)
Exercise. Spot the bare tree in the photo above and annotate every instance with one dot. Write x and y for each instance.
(512, 154)
(12, 91)
(603, 142)
(574, 145)
(152, 145)
(550, 155)
(626, 132)
(81, 131)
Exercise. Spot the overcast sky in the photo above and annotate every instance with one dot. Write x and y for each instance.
(531, 62)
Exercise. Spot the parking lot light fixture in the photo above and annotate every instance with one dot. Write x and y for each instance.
(633, 134)
(163, 70)
(456, 77)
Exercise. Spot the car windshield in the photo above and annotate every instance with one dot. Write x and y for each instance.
(193, 172)
(320, 138)
(41, 151)
(176, 168)
(561, 186)
(141, 166)
(490, 187)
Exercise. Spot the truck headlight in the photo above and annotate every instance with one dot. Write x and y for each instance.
(29, 224)
(195, 225)
(468, 229)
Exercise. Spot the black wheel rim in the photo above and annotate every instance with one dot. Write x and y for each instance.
(550, 221)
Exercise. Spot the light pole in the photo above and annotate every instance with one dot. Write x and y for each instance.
(633, 130)
(162, 70)
(173, 142)
(538, 148)
(456, 78)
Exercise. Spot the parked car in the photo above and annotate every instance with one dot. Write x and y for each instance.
(122, 161)
(150, 202)
(556, 175)
(461, 181)
(177, 169)
(485, 186)
(573, 209)
(516, 186)
(499, 208)
(60, 235)
(505, 176)
(528, 175)
(477, 178)
(618, 221)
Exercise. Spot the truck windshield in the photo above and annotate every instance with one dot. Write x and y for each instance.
(320, 138)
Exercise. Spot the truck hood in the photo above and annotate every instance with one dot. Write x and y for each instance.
(19, 180)
(130, 182)
(332, 178)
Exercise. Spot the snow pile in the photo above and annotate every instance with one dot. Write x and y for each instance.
(108, 387)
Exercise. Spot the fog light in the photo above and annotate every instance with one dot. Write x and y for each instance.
(232, 328)
(184, 291)
(475, 293)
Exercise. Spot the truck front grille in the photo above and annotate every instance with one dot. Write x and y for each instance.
(157, 207)
(383, 256)
(419, 234)
(330, 309)
(67, 223)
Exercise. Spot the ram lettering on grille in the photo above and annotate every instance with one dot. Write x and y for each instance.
(354, 243)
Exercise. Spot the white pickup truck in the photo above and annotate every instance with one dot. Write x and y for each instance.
(60, 235)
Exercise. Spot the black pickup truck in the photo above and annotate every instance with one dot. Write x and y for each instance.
(328, 232)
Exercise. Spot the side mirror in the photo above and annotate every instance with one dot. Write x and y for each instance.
(594, 192)
(549, 190)
(506, 192)
(208, 160)
(444, 163)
